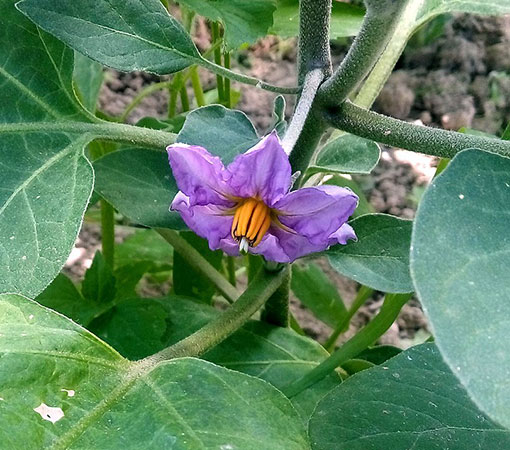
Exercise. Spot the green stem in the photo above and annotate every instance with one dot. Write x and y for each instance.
(107, 232)
(231, 270)
(216, 39)
(199, 263)
(184, 98)
(276, 309)
(366, 336)
(226, 81)
(141, 95)
(380, 20)
(172, 102)
(197, 86)
(228, 322)
(361, 297)
(397, 133)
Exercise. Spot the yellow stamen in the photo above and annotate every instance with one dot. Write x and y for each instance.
(251, 222)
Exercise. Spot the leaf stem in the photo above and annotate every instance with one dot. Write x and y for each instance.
(276, 309)
(199, 263)
(397, 133)
(216, 39)
(227, 323)
(141, 95)
(184, 98)
(367, 336)
(107, 232)
(361, 297)
(231, 270)
(197, 86)
(226, 81)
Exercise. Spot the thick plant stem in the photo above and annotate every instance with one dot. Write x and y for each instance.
(197, 86)
(380, 20)
(367, 336)
(311, 84)
(361, 297)
(230, 321)
(397, 133)
(107, 232)
(216, 38)
(199, 263)
(276, 309)
(314, 50)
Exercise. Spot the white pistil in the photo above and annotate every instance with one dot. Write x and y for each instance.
(243, 245)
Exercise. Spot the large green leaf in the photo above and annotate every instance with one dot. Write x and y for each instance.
(427, 9)
(380, 257)
(412, 402)
(139, 183)
(459, 262)
(124, 34)
(244, 21)
(88, 78)
(62, 388)
(138, 327)
(347, 154)
(46, 181)
(316, 291)
(346, 19)
(223, 132)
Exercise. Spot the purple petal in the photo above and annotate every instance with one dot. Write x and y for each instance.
(316, 212)
(207, 221)
(342, 235)
(263, 171)
(271, 249)
(198, 174)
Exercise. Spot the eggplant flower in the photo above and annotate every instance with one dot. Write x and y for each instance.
(247, 206)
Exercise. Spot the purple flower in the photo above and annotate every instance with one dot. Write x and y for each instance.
(247, 205)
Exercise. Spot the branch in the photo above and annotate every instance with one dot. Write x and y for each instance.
(314, 50)
(380, 20)
(233, 318)
(417, 138)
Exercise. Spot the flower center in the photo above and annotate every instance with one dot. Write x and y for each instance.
(251, 222)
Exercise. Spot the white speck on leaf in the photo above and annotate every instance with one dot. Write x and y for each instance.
(461, 196)
(24, 257)
(1, 399)
(70, 392)
(387, 132)
(227, 447)
(11, 238)
(49, 413)
(30, 317)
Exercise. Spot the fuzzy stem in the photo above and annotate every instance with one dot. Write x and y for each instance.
(380, 20)
(397, 133)
(367, 336)
(197, 86)
(228, 322)
(199, 263)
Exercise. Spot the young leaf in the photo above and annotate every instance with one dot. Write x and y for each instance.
(99, 283)
(459, 263)
(223, 132)
(46, 180)
(139, 184)
(88, 78)
(380, 257)
(244, 21)
(412, 402)
(347, 154)
(78, 392)
(316, 291)
(186, 280)
(126, 35)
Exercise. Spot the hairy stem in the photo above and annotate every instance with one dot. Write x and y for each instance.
(380, 20)
(314, 50)
(199, 263)
(397, 133)
(367, 336)
(228, 322)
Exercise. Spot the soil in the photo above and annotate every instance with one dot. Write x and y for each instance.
(458, 80)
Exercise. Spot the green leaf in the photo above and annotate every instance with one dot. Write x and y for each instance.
(46, 180)
(244, 21)
(139, 184)
(412, 402)
(316, 291)
(223, 132)
(364, 207)
(275, 354)
(380, 257)
(172, 125)
(99, 283)
(125, 35)
(459, 262)
(346, 19)
(103, 401)
(379, 353)
(187, 280)
(279, 122)
(88, 78)
(347, 154)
